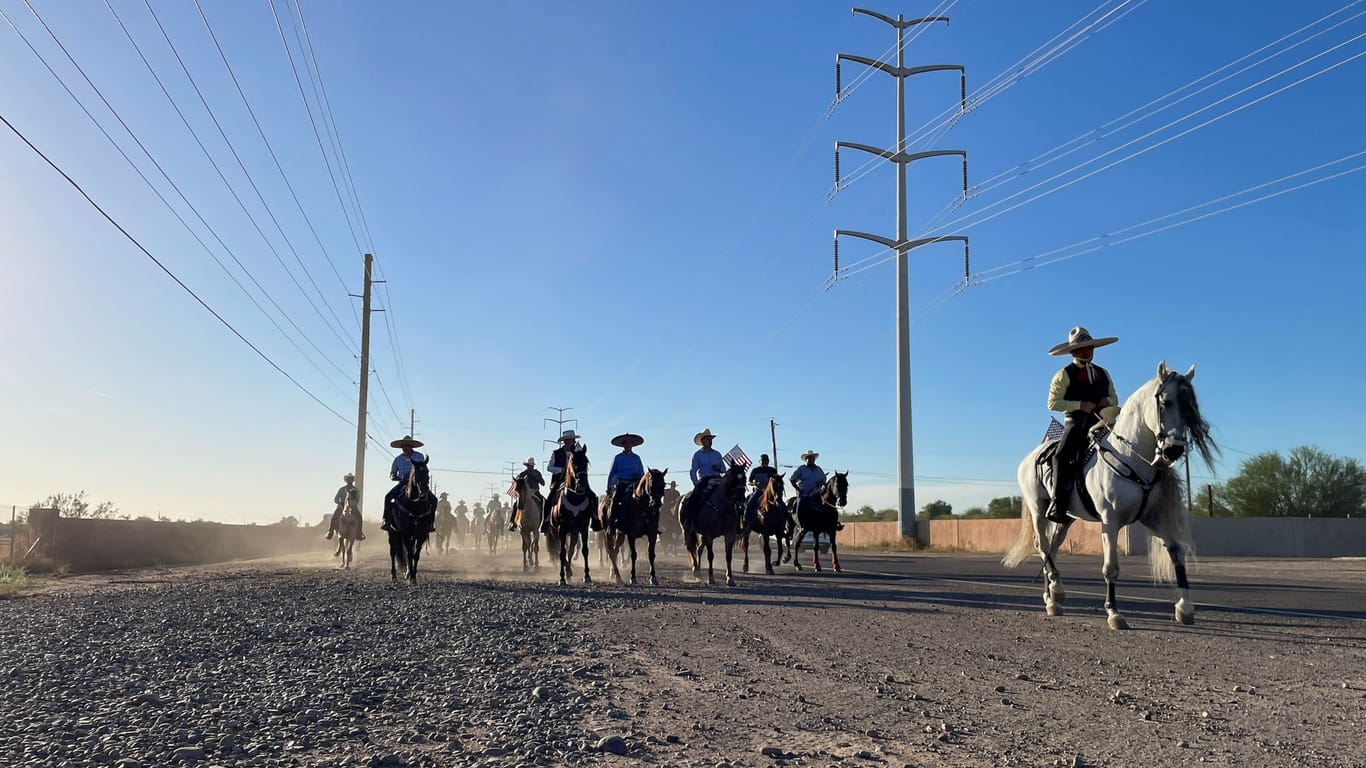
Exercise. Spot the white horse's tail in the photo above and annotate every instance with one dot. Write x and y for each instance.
(1173, 521)
(1024, 544)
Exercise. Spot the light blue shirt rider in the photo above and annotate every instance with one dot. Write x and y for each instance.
(808, 479)
(403, 465)
(706, 463)
(625, 467)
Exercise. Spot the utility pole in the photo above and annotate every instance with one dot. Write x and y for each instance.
(364, 383)
(412, 422)
(773, 437)
(902, 245)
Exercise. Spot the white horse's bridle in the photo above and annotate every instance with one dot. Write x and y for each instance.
(1171, 446)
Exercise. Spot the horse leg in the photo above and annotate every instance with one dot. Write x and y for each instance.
(711, 553)
(768, 555)
(730, 549)
(564, 561)
(816, 550)
(587, 579)
(1185, 609)
(654, 580)
(1048, 537)
(834, 552)
(1109, 541)
(744, 547)
(631, 545)
(797, 548)
(613, 549)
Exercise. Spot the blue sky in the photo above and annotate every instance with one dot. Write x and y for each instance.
(620, 207)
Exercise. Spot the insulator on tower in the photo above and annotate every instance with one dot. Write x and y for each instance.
(837, 167)
(838, 89)
(967, 265)
(837, 257)
(962, 93)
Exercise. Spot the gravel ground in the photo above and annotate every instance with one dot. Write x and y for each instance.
(292, 663)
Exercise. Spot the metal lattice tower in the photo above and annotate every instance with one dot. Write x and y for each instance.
(902, 245)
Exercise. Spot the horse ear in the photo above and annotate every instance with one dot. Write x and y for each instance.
(1162, 369)
(1190, 374)
(665, 472)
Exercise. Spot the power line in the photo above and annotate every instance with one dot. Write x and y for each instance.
(79, 103)
(168, 272)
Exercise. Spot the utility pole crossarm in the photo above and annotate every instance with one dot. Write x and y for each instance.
(901, 23)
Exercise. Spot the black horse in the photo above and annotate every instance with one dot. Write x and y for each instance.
(717, 513)
(821, 514)
(411, 521)
(632, 512)
(570, 518)
(771, 519)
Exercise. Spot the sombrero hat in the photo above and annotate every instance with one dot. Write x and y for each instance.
(406, 440)
(444, 495)
(1080, 338)
(812, 454)
(627, 440)
(697, 438)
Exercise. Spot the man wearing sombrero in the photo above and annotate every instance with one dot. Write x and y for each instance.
(345, 493)
(1080, 390)
(626, 466)
(399, 471)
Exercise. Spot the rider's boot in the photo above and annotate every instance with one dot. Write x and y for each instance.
(332, 526)
(1062, 489)
(512, 521)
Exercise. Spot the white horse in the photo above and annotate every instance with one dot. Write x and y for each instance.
(1130, 479)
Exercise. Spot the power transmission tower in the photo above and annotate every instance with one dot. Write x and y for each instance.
(559, 423)
(902, 245)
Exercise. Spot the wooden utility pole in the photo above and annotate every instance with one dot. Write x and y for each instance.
(364, 383)
(773, 438)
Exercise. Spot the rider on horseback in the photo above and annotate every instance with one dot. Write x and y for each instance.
(758, 481)
(534, 481)
(345, 493)
(707, 467)
(399, 471)
(809, 479)
(570, 450)
(1081, 390)
(627, 467)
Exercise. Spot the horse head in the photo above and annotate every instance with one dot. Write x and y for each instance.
(773, 492)
(1174, 418)
(733, 484)
(837, 489)
(419, 481)
(650, 489)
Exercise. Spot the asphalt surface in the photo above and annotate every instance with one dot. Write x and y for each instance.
(1332, 589)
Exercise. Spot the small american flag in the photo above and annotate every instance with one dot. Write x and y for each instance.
(1054, 430)
(737, 456)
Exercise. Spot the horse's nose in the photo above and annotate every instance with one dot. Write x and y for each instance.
(1173, 452)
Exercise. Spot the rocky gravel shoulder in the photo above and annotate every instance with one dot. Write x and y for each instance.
(291, 663)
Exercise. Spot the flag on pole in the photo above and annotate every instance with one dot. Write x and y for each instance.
(1054, 430)
(737, 456)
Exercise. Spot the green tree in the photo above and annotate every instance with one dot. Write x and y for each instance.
(974, 513)
(1005, 507)
(935, 510)
(289, 521)
(76, 505)
(1310, 482)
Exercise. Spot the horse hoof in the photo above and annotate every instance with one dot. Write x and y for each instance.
(730, 582)
(654, 581)
(745, 569)
(587, 579)
(797, 565)
(837, 569)
(769, 571)
(1185, 618)
(1117, 622)
(1052, 610)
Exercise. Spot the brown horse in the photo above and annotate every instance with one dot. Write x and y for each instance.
(530, 504)
(634, 513)
(770, 520)
(348, 531)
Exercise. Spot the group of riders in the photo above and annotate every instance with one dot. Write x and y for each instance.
(708, 466)
(1081, 390)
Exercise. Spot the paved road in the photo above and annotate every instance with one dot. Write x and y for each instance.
(1310, 588)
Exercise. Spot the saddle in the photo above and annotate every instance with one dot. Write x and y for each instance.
(1045, 465)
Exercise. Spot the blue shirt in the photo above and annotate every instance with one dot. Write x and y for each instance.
(403, 465)
(705, 463)
(626, 466)
(807, 479)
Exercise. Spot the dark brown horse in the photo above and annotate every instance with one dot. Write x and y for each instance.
(770, 519)
(413, 516)
(821, 514)
(572, 514)
(631, 513)
(716, 514)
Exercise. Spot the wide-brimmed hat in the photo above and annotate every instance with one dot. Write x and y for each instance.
(349, 476)
(530, 462)
(495, 495)
(673, 483)
(627, 440)
(405, 442)
(568, 434)
(1080, 338)
(462, 501)
(444, 495)
(812, 454)
(697, 438)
